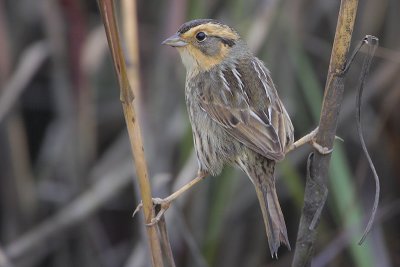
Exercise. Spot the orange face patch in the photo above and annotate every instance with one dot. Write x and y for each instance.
(203, 61)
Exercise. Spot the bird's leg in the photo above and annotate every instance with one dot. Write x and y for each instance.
(162, 204)
(310, 138)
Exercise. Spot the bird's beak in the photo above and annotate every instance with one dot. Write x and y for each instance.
(174, 41)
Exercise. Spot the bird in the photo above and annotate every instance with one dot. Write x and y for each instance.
(236, 115)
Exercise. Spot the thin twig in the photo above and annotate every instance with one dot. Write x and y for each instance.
(127, 96)
(166, 245)
(316, 183)
(373, 43)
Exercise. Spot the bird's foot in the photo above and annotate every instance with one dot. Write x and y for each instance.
(310, 138)
(321, 149)
(160, 206)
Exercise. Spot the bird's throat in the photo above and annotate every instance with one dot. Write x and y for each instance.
(196, 61)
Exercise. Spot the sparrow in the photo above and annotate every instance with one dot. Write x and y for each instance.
(235, 113)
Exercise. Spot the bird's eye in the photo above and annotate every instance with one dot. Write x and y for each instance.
(201, 36)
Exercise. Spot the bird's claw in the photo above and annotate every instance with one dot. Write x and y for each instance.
(321, 149)
(138, 208)
(160, 207)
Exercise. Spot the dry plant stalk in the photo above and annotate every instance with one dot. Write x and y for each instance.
(130, 34)
(107, 11)
(316, 184)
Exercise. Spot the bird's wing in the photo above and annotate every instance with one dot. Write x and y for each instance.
(247, 106)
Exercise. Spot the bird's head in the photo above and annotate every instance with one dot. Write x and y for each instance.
(203, 43)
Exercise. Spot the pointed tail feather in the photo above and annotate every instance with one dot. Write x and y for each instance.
(271, 210)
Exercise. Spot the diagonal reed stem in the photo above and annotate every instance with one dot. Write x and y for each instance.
(127, 97)
(317, 180)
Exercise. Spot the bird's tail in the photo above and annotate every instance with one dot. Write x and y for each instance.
(261, 173)
(271, 210)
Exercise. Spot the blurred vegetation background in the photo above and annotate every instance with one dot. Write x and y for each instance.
(67, 186)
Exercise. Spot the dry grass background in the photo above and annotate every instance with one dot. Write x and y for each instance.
(66, 183)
